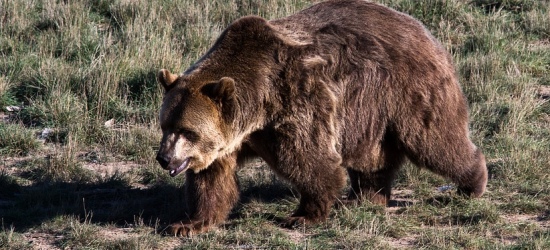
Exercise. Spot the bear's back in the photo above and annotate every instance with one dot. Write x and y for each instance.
(389, 38)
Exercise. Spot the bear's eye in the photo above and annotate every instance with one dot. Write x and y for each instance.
(189, 135)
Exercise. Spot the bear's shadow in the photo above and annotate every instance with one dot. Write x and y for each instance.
(103, 203)
(112, 202)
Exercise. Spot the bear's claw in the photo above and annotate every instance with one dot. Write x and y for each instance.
(294, 222)
(184, 229)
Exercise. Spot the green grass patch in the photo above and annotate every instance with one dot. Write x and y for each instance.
(16, 140)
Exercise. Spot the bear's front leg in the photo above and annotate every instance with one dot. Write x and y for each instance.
(210, 195)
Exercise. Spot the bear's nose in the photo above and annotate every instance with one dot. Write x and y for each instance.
(163, 160)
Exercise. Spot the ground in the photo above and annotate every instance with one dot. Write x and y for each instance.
(257, 213)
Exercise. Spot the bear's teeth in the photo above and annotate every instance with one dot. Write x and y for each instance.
(180, 169)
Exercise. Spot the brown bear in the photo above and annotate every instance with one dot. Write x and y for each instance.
(343, 86)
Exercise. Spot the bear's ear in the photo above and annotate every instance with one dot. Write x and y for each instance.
(220, 91)
(166, 78)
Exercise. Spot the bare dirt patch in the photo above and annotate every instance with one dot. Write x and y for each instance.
(540, 44)
(400, 198)
(8, 164)
(527, 218)
(402, 243)
(544, 92)
(42, 241)
(110, 168)
(296, 236)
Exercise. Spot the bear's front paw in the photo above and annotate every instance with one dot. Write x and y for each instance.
(185, 229)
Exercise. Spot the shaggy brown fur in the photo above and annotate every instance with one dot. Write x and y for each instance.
(344, 85)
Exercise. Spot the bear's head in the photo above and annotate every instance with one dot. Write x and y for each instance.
(194, 121)
(200, 118)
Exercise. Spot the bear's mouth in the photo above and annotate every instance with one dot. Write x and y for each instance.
(181, 168)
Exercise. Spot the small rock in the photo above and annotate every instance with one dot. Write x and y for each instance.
(109, 123)
(445, 188)
(45, 133)
(544, 92)
(13, 108)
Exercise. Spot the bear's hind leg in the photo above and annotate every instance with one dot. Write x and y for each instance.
(374, 182)
(210, 196)
(470, 174)
(451, 154)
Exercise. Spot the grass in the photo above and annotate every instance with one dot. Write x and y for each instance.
(17, 140)
(85, 72)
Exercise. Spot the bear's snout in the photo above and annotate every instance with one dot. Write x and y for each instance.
(163, 160)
